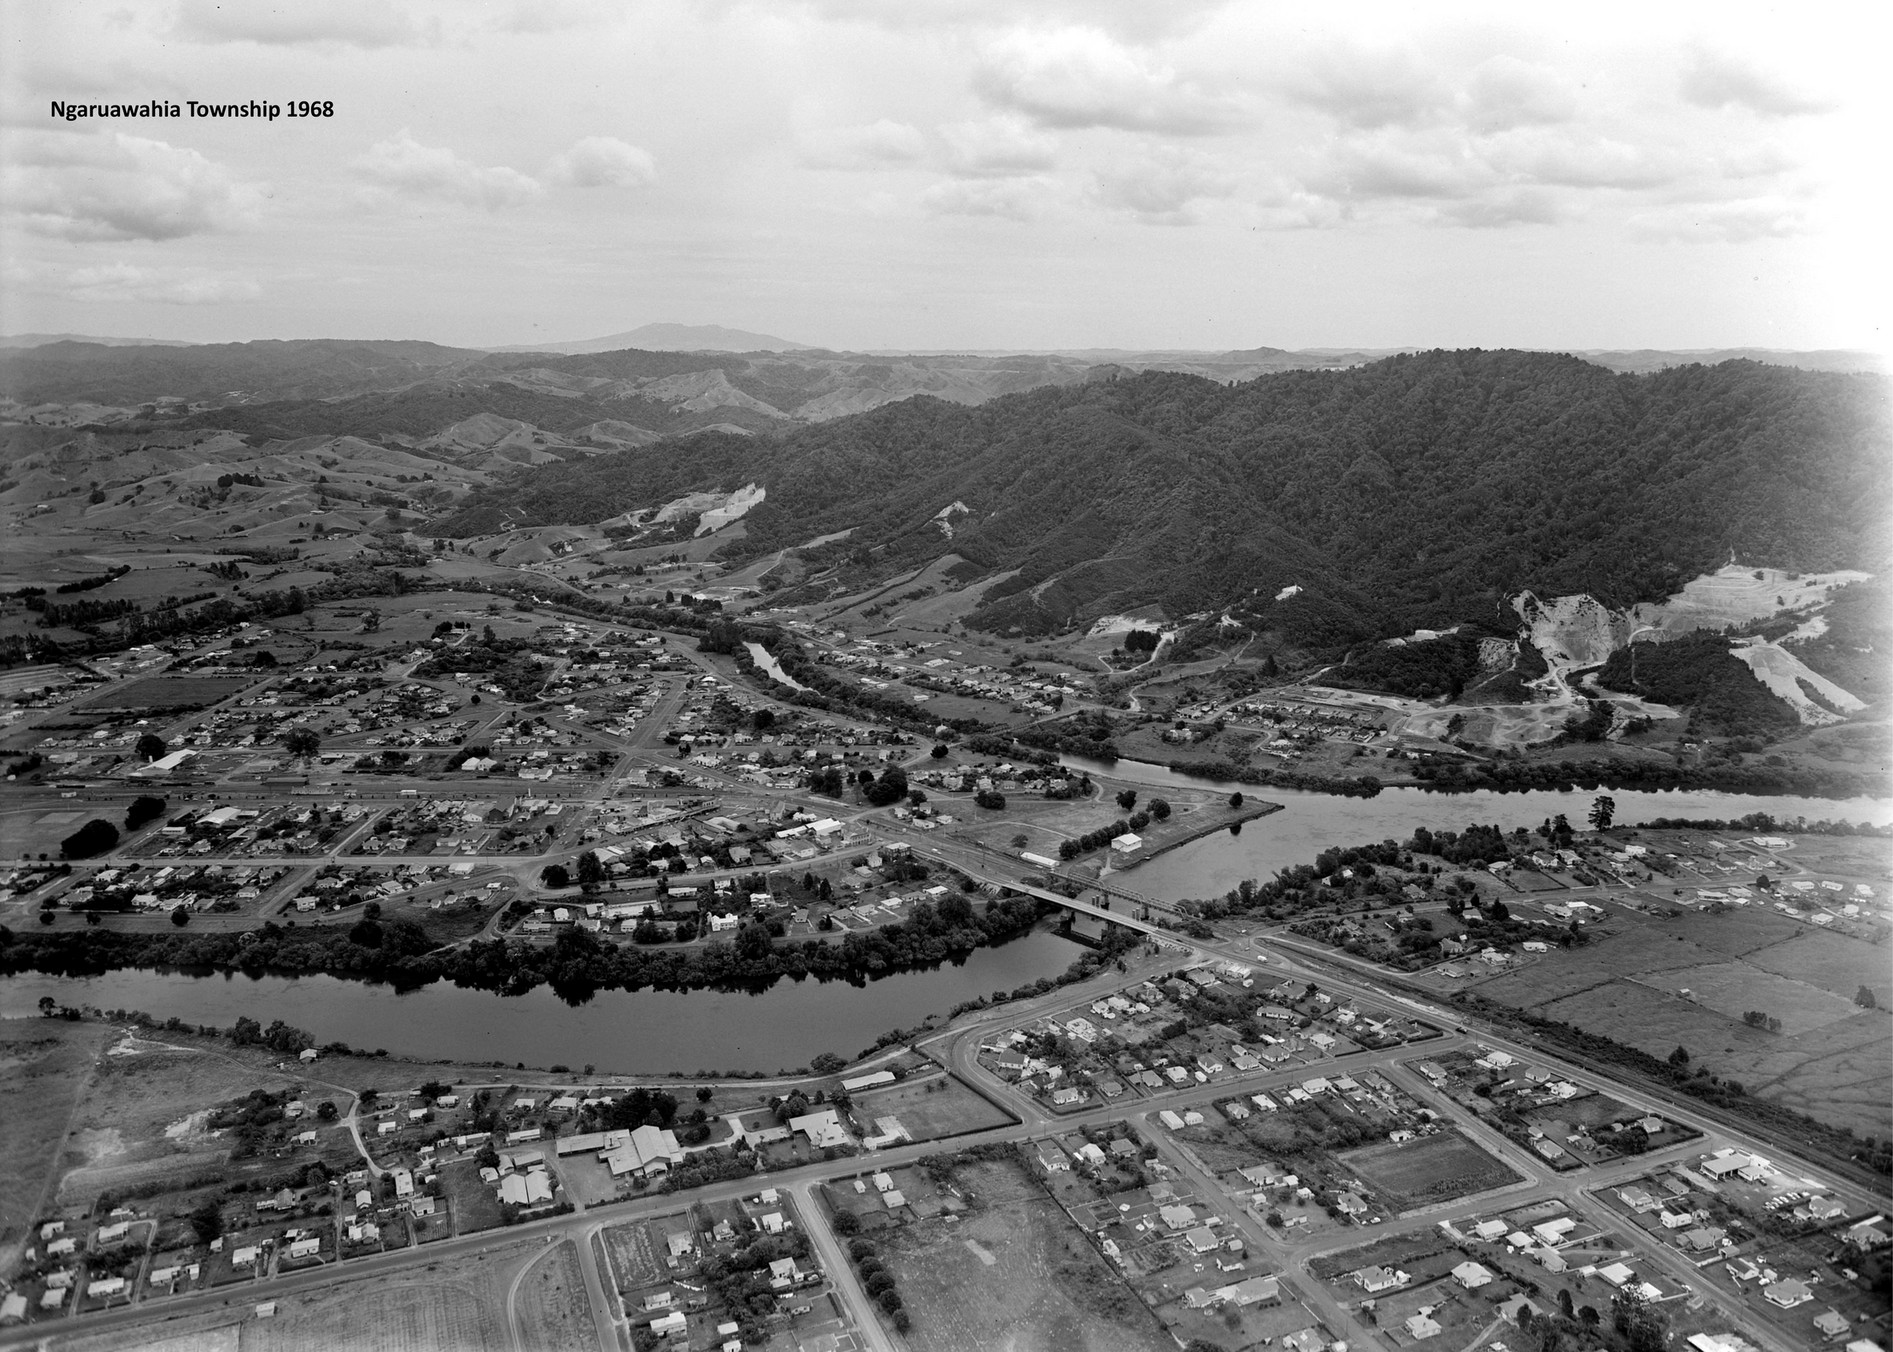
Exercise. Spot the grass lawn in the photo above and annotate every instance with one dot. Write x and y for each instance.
(1016, 1273)
(474, 1205)
(1433, 1168)
(929, 1108)
(553, 1310)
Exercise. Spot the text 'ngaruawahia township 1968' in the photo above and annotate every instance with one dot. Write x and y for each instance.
(249, 108)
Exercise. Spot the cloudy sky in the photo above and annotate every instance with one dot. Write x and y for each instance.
(952, 173)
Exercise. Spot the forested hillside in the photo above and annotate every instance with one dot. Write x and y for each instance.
(1415, 492)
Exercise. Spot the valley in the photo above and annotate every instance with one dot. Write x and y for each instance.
(515, 742)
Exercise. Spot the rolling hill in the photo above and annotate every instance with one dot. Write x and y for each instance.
(1415, 492)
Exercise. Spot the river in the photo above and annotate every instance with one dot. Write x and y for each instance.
(767, 661)
(646, 1031)
(1310, 822)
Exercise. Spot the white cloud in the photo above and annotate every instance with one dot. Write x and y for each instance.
(118, 187)
(875, 145)
(168, 286)
(1080, 77)
(998, 146)
(603, 162)
(1505, 92)
(1733, 222)
(1514, 206)
(292, 23)
(404, 165)
(1163, 187)
(1719, 80)
(1014, 199)
(1579, 160)
(1368, 87)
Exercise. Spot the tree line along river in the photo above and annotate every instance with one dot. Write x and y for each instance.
(657, 1031)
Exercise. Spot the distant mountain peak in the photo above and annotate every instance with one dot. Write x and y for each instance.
(669, 338)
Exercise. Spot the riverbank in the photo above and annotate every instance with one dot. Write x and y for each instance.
(1446, 776)
(1232, 824)
(695, 1035)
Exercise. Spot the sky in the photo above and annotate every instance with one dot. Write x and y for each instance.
(951, 174)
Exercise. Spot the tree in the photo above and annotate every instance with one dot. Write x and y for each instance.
(939, 751)
(891, 787)
(555, 875)
(590, 871)
(1603, 810)
(990, 799)
(207, 1221)
(1127, 799)
(1158, 809)
(1679, 1057)
(95, 837)
(150, 746)
(144, 809)
(845, 1223)
(326, 1111)
(180, 916)
(1235, 800)
(826, 1063)
(1864, 997)
(302, 743)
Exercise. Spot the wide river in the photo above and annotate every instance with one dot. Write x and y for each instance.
(660, 1031)
(622, 1031)
(1310, 822)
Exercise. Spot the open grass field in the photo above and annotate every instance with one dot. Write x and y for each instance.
(1433, 1168)
(930, 1108)
(551, 1311)
(169, 692)
(44, 1065)
(1015, 1274)
(459, 1304)
(633, 1256)
(1831, 1059)
(1734, 988)
(1839, 1073)
(1833, 962)
(142, 1119)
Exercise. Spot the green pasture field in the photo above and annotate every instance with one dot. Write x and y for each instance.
(930, 1108)
(1433, 1168)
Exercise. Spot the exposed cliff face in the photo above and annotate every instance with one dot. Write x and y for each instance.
(1572, 631)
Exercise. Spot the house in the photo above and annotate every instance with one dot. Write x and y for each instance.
(1253, 1291)
(1703, 1238)
(1489, 1230)
(1422, 1326)
(672, 1325)
(1724, 1165)
(1552, 1232)
(1617, 1274)
(1637, 1199)
(1202, 1240)
(1351, 1204)
(1052, 1158)
(1472, 1276)
(823, 1128)
(1377, 1279)
(1176, 1217)
(1788, 1294)
(1832, 1326)
(1870, 1234)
